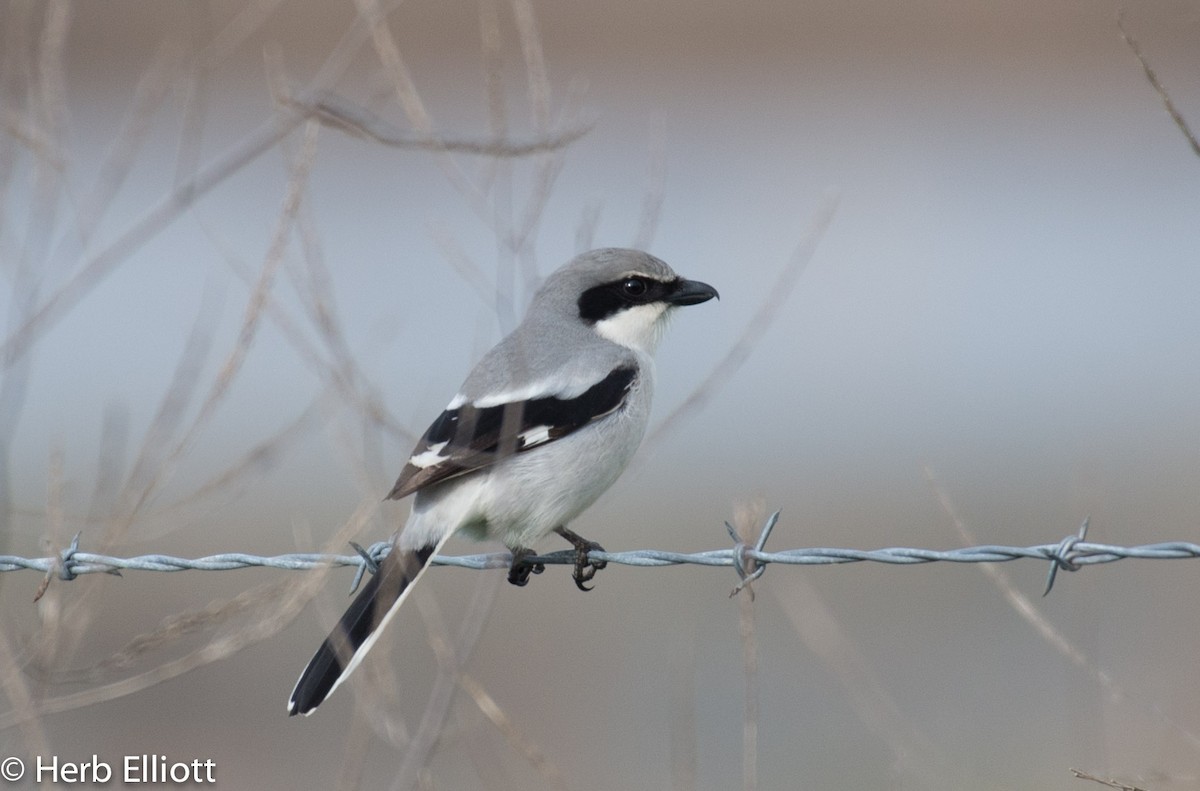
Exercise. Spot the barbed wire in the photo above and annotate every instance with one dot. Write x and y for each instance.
(750, 561)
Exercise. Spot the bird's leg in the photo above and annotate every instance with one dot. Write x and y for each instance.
(520, 568)
(585, 569)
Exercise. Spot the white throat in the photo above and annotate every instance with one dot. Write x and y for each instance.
(638, 328)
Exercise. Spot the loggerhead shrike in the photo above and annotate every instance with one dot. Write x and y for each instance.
(546, 422)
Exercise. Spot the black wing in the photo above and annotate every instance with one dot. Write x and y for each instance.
(468, 438)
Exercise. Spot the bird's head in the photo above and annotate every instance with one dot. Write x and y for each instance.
(625, 296)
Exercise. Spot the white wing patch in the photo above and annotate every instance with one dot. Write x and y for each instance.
(543, 388)
(431, 457)
(535, 436)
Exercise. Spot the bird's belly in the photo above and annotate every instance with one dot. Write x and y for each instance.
(552, 489)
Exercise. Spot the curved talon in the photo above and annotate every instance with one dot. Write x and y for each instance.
(520, 568)
(585, 569)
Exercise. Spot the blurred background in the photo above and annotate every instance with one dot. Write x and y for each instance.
(957, 250)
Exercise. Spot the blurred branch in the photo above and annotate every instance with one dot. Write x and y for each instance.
(1159, 88)
(1109, 782)
(259, 296)
(724, 370)
(108, 258)
(656, 187)
(338, 112)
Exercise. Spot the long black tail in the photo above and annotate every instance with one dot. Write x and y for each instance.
(358, 628)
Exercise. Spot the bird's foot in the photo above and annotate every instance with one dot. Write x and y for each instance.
(585, 569)
(520, 568)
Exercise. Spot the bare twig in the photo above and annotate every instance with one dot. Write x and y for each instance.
(1105, 782)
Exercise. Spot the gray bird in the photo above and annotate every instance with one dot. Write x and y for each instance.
(542, 426)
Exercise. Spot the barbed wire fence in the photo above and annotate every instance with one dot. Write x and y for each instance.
(749, 561)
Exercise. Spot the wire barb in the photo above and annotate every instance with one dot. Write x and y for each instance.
(370, 560)
(1064, 555)
(65, 567)
(742, 563)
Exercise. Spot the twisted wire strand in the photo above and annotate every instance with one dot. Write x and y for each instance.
(1070, 554)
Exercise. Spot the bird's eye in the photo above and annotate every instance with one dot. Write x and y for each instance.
(634, 286)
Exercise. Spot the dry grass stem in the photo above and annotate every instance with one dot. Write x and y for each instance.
(516, 740)
(1026, 607)
(281, 603)
(147, 472)
(354, 755)
(491, 50)
(169, 632)
(747, 521)
(452, 656)
(538, 81)
(155, 464)
(914, 757)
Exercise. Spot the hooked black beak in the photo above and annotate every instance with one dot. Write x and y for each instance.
(691, 292)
